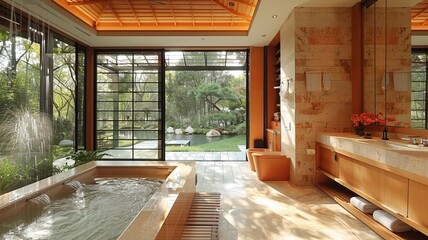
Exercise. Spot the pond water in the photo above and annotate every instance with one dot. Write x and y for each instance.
(96, 211)
(196, 139)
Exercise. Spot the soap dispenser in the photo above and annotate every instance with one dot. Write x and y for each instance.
(385, 134)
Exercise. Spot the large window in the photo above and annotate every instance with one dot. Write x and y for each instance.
(41, 80)
(419, 88)
(129, 105)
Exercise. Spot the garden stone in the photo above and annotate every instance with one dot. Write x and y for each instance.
(178, 131)
(189, 130)
(65, 143)
(170, 130)
(213, 133)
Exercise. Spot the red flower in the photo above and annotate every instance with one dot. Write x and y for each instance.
(365, 119)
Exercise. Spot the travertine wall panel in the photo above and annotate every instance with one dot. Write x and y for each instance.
(322, 42)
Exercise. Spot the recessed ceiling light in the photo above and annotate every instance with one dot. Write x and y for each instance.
(231, 3)
(274, 16)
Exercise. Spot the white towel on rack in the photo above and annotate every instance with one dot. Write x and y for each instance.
(363, 205)
(390, 222)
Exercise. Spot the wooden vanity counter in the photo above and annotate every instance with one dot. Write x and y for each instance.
(390, 174)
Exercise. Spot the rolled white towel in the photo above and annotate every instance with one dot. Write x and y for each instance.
(363, 205)
(390, 222)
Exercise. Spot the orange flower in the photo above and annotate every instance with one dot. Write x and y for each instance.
(366, 118)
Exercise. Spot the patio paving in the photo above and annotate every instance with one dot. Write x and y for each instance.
(205, 156)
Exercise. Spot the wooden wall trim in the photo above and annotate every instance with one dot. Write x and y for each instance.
(275, 40)
(255, 98)
(356, 65)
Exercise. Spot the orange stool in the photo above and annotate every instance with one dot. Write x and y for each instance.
(272, 166)
(250, 152)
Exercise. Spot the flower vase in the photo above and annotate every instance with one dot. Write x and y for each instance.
(359, 130)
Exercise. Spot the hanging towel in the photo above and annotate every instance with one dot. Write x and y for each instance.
(363, 205)
(390, 222)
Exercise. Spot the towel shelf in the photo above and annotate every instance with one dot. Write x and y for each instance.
(391, 190)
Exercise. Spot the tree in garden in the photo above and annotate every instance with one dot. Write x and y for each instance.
(19, 72)
(206, 99)
(213, 94)
(64, 95)
(182, 109)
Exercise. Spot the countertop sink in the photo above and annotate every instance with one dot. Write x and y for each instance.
(414, 153)
(394, 145)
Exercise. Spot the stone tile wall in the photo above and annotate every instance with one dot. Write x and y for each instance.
(320, 40)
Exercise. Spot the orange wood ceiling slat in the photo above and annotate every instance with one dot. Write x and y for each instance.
(91, 2)
(133, 12)
(245, 2)
(419, 16)
(119, 14)
(154, 14)
(172, 13)
(420, 12)
(248, 18)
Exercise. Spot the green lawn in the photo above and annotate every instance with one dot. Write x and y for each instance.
(225, 145)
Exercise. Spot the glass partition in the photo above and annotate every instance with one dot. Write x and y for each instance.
(129, 105)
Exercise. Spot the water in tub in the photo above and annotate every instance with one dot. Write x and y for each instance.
(96, 211)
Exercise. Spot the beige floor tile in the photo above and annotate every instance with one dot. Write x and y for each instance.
(252, 209)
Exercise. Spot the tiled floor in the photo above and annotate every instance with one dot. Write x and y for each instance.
(252, 209)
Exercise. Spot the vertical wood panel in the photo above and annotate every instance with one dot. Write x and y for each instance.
(418, 209)
(272, 94)
(255, 97)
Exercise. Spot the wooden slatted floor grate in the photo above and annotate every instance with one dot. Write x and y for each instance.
(203, 219)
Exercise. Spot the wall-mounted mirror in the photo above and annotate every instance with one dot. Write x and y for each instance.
(387, 63)
(373, 35)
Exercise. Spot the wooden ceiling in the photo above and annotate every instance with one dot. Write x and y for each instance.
(181, 16)
(419, 16)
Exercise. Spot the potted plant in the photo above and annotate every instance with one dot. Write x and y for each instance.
(359, 121)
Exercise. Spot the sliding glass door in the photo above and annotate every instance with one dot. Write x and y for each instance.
(129, 105)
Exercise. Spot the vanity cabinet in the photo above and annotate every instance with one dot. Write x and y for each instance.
(394, 189)
(328, 161)
(342, 175)
(361, 176)
(418, 203)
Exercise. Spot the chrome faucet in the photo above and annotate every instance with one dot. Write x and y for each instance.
(415, 139)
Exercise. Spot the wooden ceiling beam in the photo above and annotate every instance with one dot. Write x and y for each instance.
(115, 14)
(133, 12)
(188, 26)
(104, 6)
(85, 2)
(180, 15)
(76, 12)
(191, 12)
(171, 24)
(241, 15)
(153, 13)
(420, 12)
(244, 2)
(172, 12)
